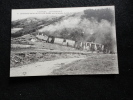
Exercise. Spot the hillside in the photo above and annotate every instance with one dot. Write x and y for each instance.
(90, 25)
(31, 25)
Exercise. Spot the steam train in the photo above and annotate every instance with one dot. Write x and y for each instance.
(89, 46)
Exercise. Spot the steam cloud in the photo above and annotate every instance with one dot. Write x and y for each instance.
(88, 26)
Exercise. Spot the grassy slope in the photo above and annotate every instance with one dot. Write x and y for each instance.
(94, 64)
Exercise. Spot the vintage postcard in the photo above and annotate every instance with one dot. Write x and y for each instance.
(63, 41)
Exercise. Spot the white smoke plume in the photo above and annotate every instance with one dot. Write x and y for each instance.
(71, 22)
(88, 26)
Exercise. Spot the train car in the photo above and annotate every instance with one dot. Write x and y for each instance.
(42, 37)
(65, 42)
(70, 43)
(87, 46)
(58, 40)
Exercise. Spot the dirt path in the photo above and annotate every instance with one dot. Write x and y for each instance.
(40, 68)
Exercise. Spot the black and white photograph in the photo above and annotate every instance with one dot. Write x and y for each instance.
(63, 41)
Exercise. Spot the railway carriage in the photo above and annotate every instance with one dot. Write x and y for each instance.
(42, 37)
(89, 46)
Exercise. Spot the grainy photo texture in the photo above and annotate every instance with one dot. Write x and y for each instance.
(63, 41)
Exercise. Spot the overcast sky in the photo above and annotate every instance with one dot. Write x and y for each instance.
(39, 13)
